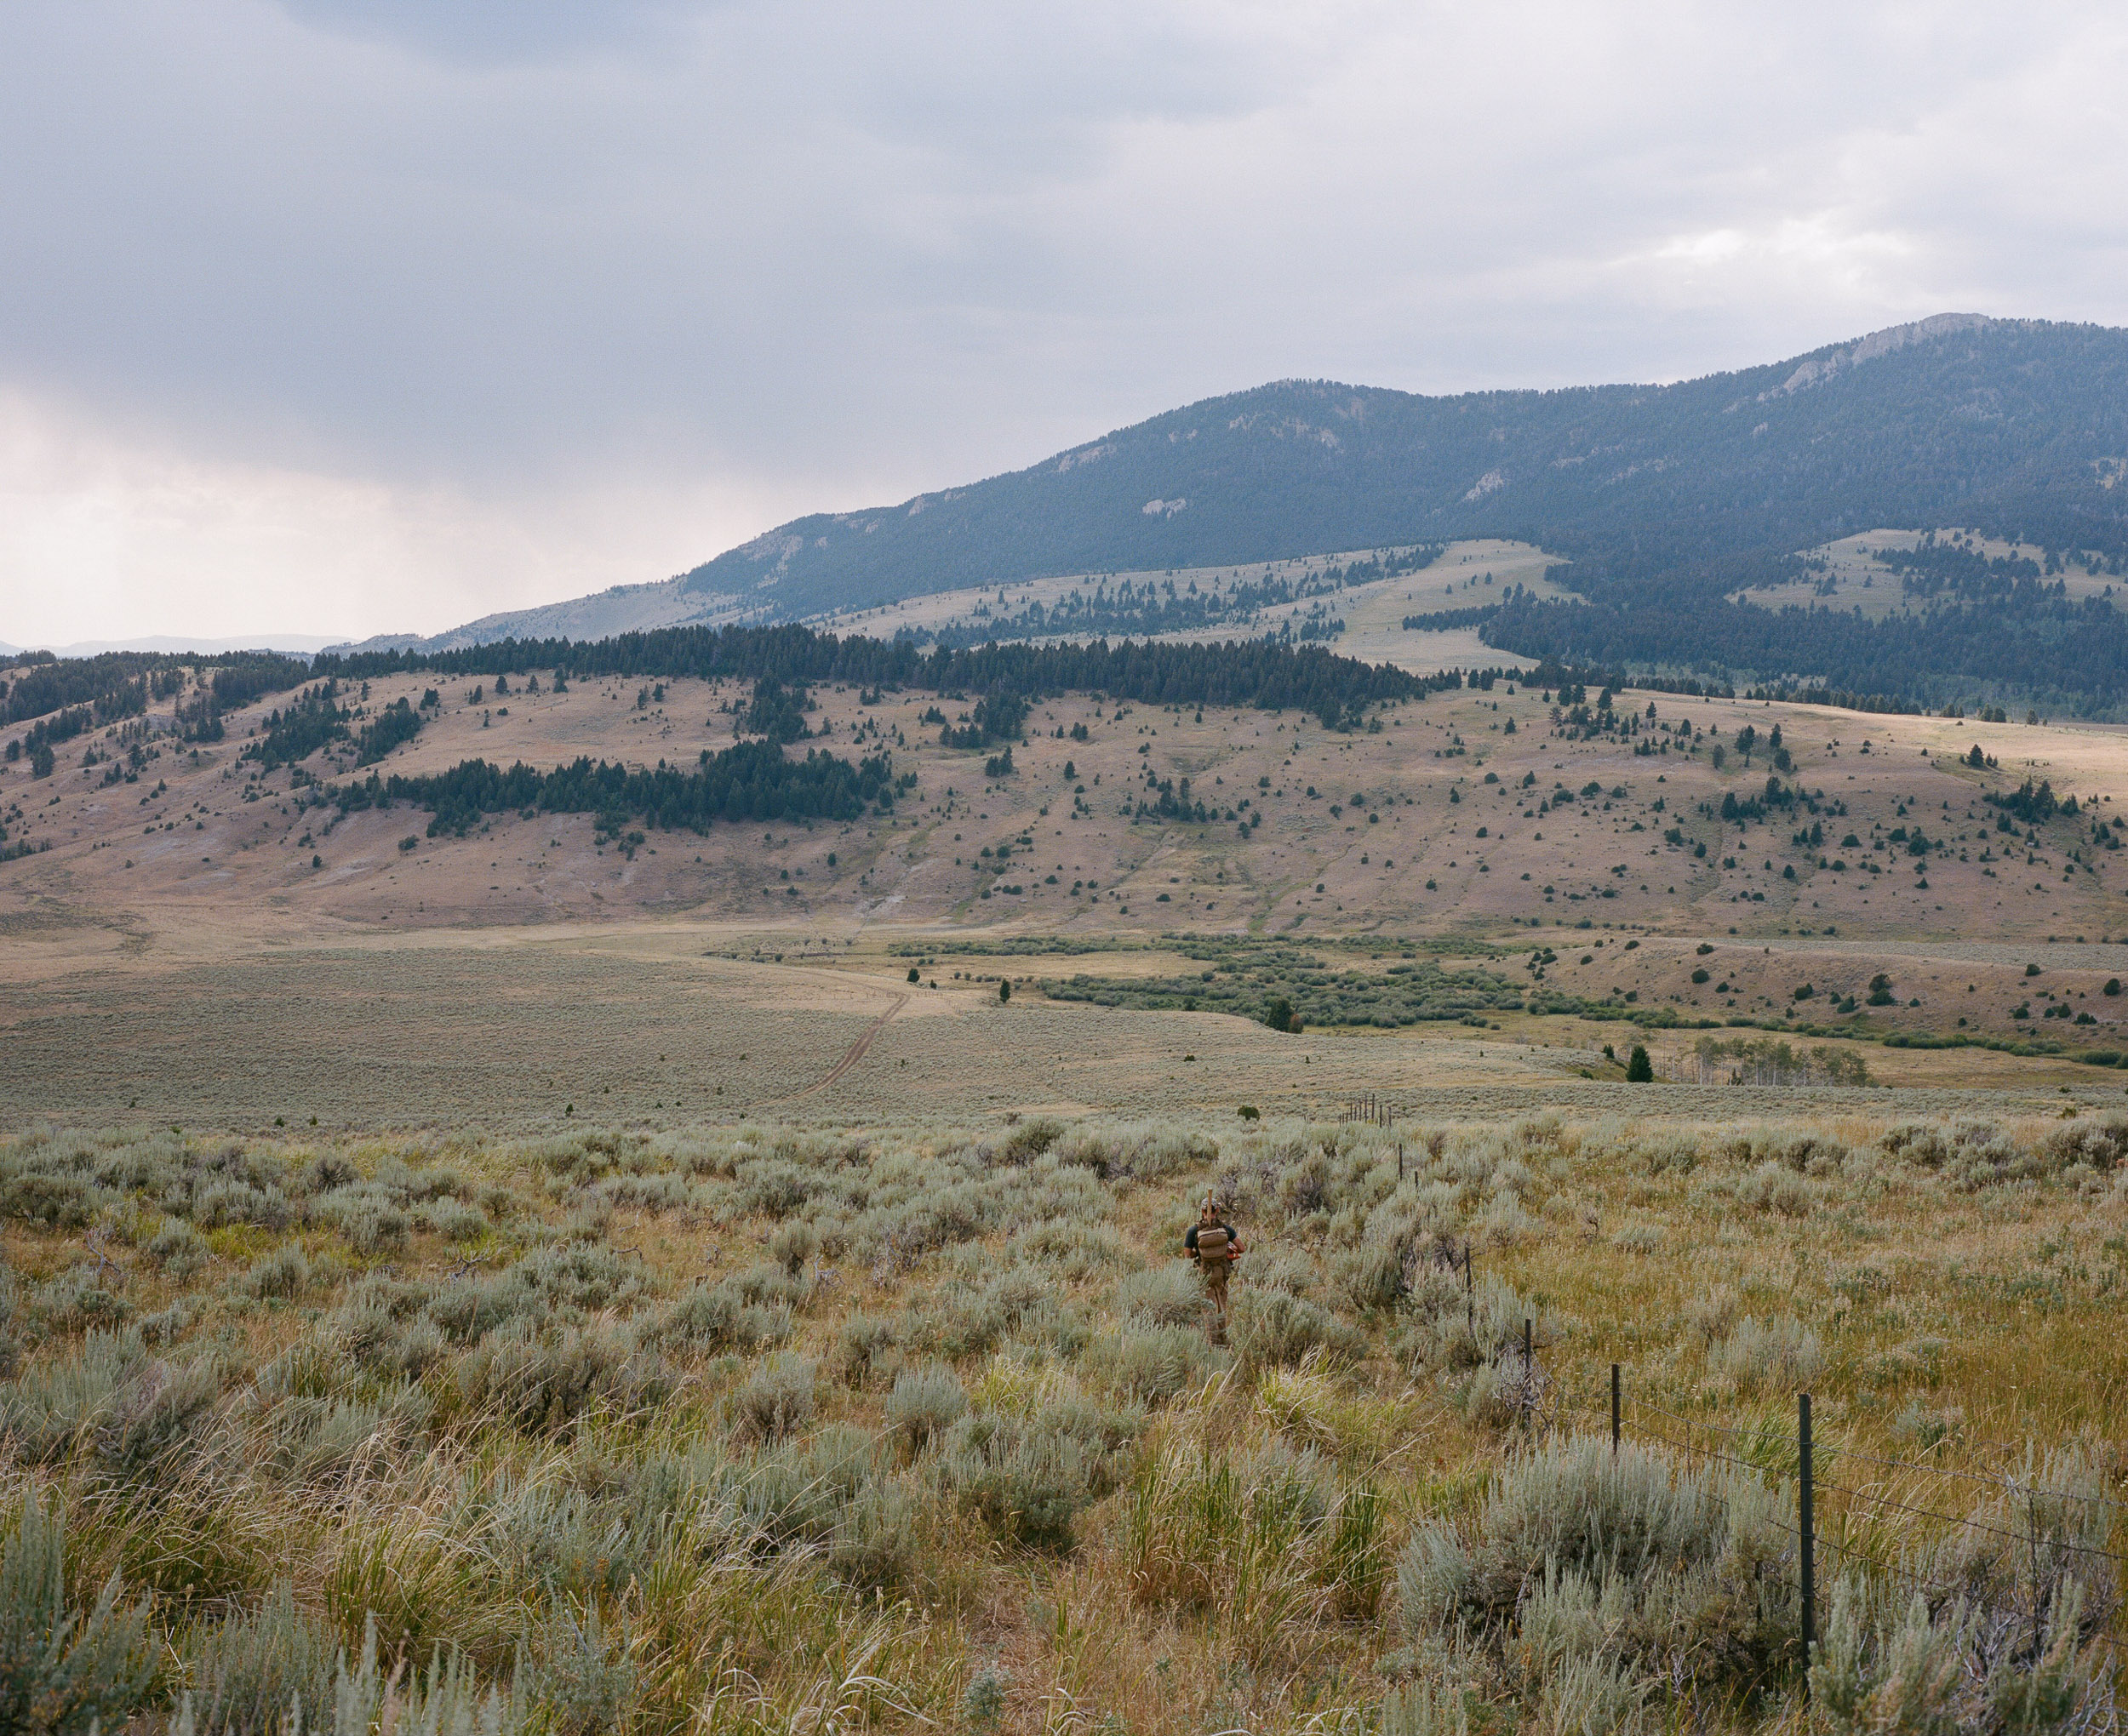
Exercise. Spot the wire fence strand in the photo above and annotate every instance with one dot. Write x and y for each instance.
(2008, 1486)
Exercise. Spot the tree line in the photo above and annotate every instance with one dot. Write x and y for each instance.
(1258, 673)
(750, 783)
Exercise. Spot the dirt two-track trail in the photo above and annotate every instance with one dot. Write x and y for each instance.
(852, 1055)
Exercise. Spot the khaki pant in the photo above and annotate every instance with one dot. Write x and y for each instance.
(1216, 1273)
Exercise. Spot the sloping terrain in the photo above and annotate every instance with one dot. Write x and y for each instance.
(2009, 424)
(1665, 505)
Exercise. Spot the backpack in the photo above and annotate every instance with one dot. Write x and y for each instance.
(1212, 1249)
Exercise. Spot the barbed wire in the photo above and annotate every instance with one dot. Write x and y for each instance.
(2024, 1537)
(1834, 1449)
(1819, 1484)
(1992, 1480)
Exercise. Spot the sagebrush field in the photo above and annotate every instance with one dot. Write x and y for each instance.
(907, 1427)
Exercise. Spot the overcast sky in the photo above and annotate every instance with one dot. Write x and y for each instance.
(355, 316)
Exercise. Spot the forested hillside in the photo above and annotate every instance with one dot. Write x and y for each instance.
(1666, 500)
(2007, 425)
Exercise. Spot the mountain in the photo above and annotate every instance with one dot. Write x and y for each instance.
(290, 644)
(2016, 428)
(625, 608)
(1666, 503)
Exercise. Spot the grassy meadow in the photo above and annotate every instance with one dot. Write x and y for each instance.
(915, 1427)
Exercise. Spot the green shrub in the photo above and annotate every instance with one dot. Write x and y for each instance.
(178, 1248)
(149, 1429)
(713, 1316)
(924, 1403)
(58, 1202)
(76, 1300)
(542, 1379)
(1586, 1557)
(792, 1245)
(777, 1399)
(1370, 1279)
(64, 1670)
(445, 1700)
(1030, 1141)
(282, 1273)
(46, 1409)
(454, 1219)
(1274, 1329)
(584, 1679)
(1169, 1294)
(865, 1349)
(241, 1201)
(1152, 1365)
(372, 1218)
(251, 1671)
(1025, 1479)
(1782, 1354)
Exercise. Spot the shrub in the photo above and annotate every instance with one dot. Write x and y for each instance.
(864, 1349)
(1782, 1354)
(454, 1219)
(1025, 1479)
(1262, 1543)
(1152, 1365)
(240, 1201)
(982, 1703)
(777, 1398)
(714, 1317)
(1272, 1327)
(56, 1401)
(370, 1217)
(178, 1248)
(584, 1681)
(1168, 1294)
(282, 1273)
(149, 1424)
(792, 1245)
(64, 1670)
(76, 1300)
(1582, 1558)
(1773, 1187)
(59, 1201)
(1030, 1139)
(926, 1403)
(542, 1379)
(1452, 1330)
(1970, 1154)
(1370, 1279)
(251, 1671)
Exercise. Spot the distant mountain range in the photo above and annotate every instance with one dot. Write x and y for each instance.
(297, 644)
(1666, 498)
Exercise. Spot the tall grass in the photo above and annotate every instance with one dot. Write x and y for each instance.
(765, 1429)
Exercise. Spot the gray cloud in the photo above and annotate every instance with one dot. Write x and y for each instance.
(574, 295)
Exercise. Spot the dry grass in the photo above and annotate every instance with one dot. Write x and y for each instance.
(532, 1449)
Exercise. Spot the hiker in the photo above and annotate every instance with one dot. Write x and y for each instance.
(1214, 1245)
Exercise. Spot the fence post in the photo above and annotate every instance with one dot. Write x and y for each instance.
(1807, 1524)
(1614, 1408)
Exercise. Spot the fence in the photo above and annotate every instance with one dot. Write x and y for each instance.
(1809, 1486)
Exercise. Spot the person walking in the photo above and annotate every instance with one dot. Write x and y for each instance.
(1214, 1248)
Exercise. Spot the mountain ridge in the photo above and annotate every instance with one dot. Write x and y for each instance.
(1664, 497)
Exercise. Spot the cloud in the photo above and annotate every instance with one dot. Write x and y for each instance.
(547, 294)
